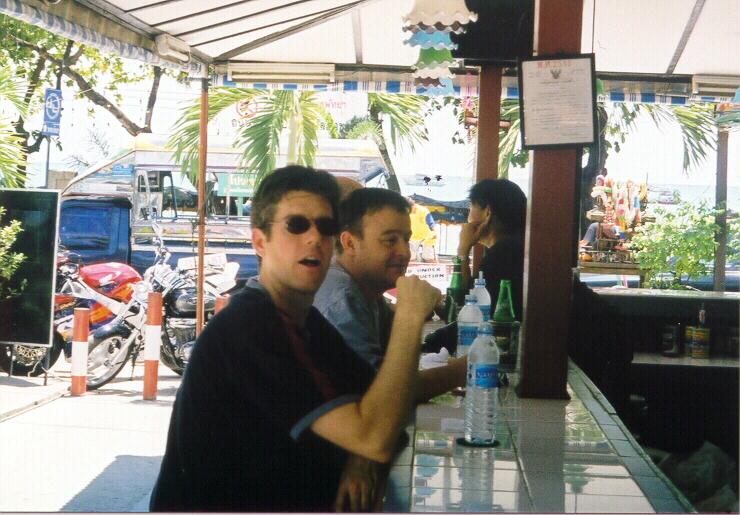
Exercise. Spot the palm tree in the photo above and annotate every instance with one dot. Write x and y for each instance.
(302, 115)
(300, 112)
(406, 115)
(12, 155)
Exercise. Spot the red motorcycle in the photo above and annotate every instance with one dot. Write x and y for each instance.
(103, 288)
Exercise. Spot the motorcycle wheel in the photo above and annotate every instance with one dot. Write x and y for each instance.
(29, 360)
(166, 357)
(101, 368)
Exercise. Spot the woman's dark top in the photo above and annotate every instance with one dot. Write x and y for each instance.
(505, 260)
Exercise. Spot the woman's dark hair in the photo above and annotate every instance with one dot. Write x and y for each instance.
(365, 201)
(285, 180)
(507, 203)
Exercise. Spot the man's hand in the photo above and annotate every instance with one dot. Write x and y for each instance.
(416, 295)
(358, 484)
(470, 234)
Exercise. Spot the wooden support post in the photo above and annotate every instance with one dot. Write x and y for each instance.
(551, 239)
(202, 157)
(489, 115)
(720, 257)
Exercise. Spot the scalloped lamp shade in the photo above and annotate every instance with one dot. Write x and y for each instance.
(433, 58)
(442, 15)
(437, 40)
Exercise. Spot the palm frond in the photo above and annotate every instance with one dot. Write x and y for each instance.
(329, 123)
(12, 156)
(508, 138)
(312, 113)
(260, 137)
(698, 133)
(406, 116)
(11, 89)
(365, 129)
(185, 138)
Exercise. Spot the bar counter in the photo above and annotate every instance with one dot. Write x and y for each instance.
(554, 456)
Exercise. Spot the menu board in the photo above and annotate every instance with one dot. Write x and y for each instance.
(27, 318)
(557, 100)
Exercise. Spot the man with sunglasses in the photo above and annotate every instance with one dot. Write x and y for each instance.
(372, 253)
(274, 410)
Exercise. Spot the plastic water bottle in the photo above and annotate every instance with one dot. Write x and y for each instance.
(484, 298)
(481, 391)
(468, 321)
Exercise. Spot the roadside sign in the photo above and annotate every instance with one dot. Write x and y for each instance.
(235, 185)
(52, 112)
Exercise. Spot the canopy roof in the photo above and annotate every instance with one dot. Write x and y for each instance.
(363, 39)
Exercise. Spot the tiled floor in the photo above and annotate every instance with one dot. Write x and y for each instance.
(554, 456)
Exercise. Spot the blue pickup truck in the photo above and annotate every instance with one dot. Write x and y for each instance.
(100, 229)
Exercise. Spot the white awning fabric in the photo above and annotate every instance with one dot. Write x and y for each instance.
(689, 39)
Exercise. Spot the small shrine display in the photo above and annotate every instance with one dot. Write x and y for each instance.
(619, 207)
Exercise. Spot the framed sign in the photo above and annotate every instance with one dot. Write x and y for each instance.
(27, 318)
(557, 101)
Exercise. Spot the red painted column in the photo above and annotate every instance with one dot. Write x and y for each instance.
(550, 249)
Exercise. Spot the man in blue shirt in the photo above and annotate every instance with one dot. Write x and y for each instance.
(372, 253)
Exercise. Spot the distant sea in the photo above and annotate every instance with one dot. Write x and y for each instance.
(456, 188)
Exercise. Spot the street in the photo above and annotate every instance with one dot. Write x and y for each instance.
(98, 452)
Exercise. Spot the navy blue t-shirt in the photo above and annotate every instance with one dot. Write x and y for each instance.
(239, 436)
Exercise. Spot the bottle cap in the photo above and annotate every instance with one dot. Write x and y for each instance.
(485, 328)
(480, 281)
(471, 299)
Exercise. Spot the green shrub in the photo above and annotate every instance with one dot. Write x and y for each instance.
(9, 261)
(680, 244)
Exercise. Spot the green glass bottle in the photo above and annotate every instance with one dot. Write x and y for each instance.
(504, 306)
(455, 299)
(503, 318)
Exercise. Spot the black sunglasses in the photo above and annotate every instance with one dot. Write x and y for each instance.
(299, 224)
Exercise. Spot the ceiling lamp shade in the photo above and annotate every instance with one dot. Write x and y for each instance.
(432, 58)
(439, 15)
(437, 40)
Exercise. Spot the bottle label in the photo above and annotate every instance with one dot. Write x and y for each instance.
(486, 310)
(466, 334)
(486, 375)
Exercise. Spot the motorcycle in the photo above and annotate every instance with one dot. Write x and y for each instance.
(117, 298)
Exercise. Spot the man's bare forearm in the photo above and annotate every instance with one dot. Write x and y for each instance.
(439, 380)
(388, 400)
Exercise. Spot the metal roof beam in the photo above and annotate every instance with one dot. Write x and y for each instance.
(357, 34)
(296, 29)
(232, 20)
(685, 35)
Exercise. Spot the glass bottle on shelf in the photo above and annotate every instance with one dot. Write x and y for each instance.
(455, 298)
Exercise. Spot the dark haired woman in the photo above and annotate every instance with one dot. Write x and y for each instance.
(498, 213)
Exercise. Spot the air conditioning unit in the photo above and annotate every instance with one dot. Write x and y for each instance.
(315, 73)
(715, 85)
(170, 47)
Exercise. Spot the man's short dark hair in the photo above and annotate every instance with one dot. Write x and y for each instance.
(285, 180)
(507, 202)
(366, 201)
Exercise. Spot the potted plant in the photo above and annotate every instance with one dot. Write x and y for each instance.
(9, 263)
